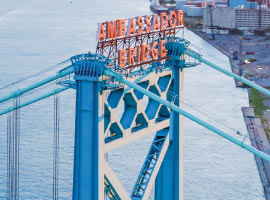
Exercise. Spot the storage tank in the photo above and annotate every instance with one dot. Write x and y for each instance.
(194, 11)
(180, 3)
(184, 8)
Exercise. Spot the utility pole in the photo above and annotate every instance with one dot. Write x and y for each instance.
(260, 16)
(211, 22)
(241, 54)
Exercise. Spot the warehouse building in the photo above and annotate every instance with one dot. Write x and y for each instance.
(233, 18)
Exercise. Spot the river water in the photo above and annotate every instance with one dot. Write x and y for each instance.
(37, 34)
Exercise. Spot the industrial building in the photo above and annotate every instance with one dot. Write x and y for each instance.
(247, 3)
(195, 8)
(220, 3)
(242, 19)
(228, 14)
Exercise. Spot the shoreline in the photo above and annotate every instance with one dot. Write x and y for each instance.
(257, 134)
(234, 67)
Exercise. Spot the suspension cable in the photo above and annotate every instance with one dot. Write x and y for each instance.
(34, 75)
(212, 116)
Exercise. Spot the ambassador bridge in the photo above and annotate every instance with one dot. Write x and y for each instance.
(101, 87)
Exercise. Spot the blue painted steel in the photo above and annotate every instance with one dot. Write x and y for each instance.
(168, 179)
(149, 165)
(67, 83)
(152, 106)
(163, 82)
(54, 92)
(164, 180)
(128, 116)
(62, 73)
(175, 137)
(110, 191)
(20, 92)
(114, 97)
(242, 79)
(175, 48)
(232, 139)
(116, 133)
(86, 156)
(143, 84)
(129, 111)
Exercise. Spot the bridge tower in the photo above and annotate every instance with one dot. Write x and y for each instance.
(102, 85)
(100, 128)
(88, 178)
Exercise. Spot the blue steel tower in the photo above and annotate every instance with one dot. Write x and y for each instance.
(88, 150)
(102, 85)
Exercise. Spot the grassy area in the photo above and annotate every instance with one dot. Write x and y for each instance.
(259, 108)
(257, 102)
(266, 127)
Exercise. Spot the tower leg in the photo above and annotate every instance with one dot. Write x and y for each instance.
(88, 177)
(169, 182)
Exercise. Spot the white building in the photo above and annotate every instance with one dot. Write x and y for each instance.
(232, 18)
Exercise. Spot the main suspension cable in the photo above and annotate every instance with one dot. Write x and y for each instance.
(212, 116)
(34, 75)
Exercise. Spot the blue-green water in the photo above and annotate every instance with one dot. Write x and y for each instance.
(37, 34)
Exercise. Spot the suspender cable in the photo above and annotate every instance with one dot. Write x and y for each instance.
(13, 147)
(56, 147)
(44, 96)
(198, 57)
(8, 157)
(16, 126)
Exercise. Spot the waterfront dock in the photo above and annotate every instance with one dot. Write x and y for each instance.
(259, 73)
(258, 140)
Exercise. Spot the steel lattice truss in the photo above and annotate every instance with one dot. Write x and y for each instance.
(127, 118)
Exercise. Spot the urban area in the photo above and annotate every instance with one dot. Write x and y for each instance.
(129, 100)
(240, 29)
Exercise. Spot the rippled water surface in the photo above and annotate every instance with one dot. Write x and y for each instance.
(37, 34)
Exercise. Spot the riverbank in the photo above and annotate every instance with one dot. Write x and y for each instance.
(259, 140)
(253, 62)
(257, 116)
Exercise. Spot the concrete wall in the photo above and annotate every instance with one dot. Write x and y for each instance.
(222, 17)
